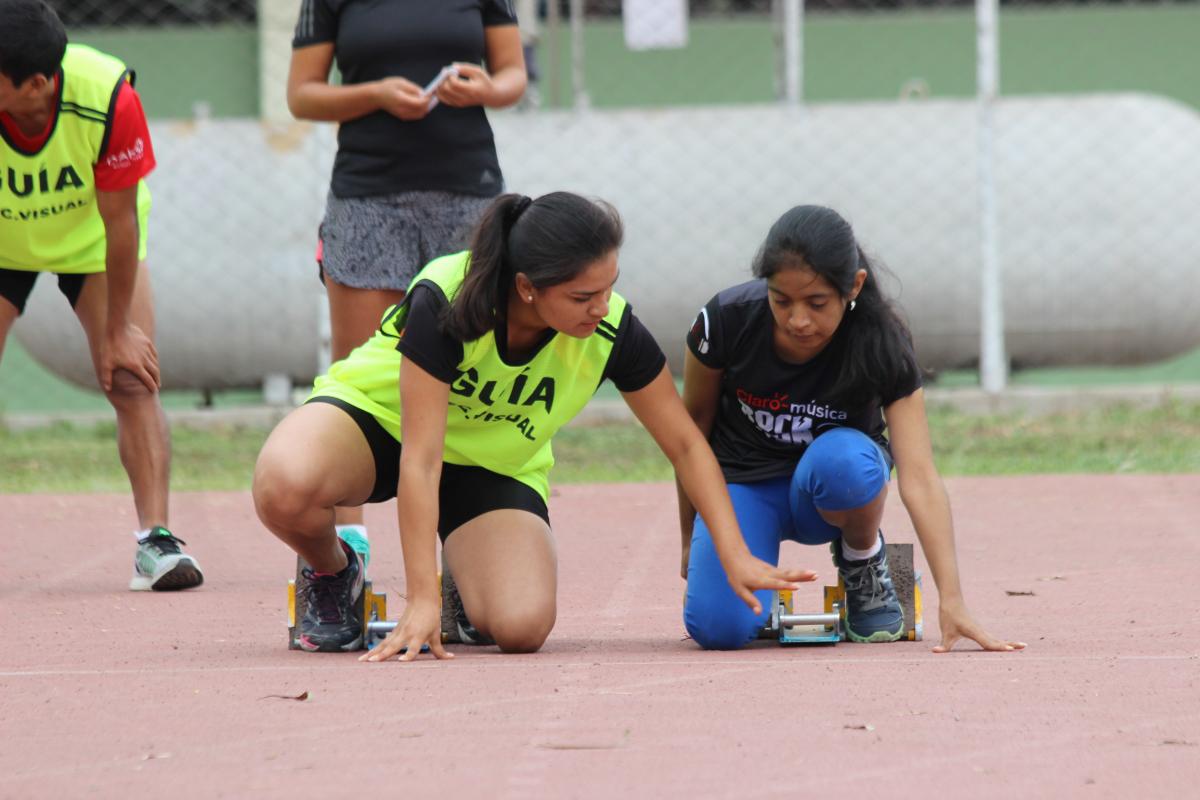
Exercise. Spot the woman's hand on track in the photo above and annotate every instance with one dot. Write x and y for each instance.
(420, 624)
(956, 623)
(747, 573)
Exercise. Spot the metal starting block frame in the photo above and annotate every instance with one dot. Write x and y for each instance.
(792, 628)
(829, 627)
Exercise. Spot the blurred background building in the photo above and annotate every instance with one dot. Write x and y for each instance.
(703, 121)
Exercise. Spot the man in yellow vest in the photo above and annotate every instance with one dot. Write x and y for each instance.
(73, 202)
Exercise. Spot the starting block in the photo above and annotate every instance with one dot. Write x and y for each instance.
(829, 627)
(372, 610)
(376, 630)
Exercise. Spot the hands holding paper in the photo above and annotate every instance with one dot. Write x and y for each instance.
(463, 85)
(402, 98)
(457, 85)
(430, 90)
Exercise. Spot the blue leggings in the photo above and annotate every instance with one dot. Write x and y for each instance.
(842, 469)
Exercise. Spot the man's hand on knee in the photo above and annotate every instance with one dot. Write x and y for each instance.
(132, 351)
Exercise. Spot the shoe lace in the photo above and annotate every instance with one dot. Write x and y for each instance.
(869, 579)
(165, 542)
(322, 592)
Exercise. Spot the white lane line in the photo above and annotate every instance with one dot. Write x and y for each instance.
(977, 660)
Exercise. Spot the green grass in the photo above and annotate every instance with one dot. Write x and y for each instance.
(608, 454)
(1180, 369)
(1115, 440)
(70, 459)
(27, 388)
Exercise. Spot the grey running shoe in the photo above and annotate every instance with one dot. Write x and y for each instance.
(332, 619)
(160, 564)
(873, 611)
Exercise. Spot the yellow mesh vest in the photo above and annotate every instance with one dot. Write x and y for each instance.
(48, 215)
(500, 417)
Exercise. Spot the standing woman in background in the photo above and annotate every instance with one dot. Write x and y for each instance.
(413, 171)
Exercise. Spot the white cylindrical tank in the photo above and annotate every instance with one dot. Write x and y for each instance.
(1096, 197)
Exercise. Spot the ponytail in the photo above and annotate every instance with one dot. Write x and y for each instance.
(484, 290)
(550, 240)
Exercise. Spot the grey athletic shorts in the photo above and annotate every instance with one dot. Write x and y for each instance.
(381, 242)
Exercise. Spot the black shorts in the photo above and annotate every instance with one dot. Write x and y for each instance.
(16, 284)
(464, 492)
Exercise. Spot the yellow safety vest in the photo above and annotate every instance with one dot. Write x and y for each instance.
(48, 215)
(500, 416)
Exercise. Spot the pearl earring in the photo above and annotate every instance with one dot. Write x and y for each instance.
(852, 305)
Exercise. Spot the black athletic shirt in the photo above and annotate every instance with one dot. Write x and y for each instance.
(451, 149)
(635, 361)
(770, 410)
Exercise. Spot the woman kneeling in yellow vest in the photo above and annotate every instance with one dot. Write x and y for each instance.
(492, 351)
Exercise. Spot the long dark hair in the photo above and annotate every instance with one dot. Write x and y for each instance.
(879, 358)
(551, 240)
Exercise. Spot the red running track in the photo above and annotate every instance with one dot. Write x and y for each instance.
(107, 693)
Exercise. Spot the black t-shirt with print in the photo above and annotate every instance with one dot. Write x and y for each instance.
(770, 410)
(636, 358)
(450, 149)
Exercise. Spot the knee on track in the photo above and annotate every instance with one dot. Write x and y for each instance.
(720, 628)
(521, 631)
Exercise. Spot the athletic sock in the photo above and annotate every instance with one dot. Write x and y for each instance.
(851, 554)
(356, 537)
(342, 530)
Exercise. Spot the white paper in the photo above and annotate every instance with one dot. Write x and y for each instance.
(436, 82)
(655, 24)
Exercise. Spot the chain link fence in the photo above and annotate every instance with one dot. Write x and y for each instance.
(702, 121)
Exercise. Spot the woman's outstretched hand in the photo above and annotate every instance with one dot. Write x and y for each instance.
(747, 573)
(956, 623)
(419, 625)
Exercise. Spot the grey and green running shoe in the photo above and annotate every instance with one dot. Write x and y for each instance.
(161, 565)
(873, 611)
